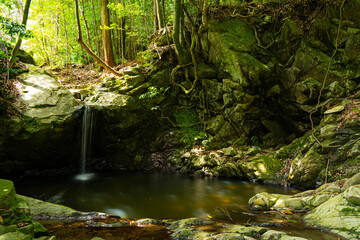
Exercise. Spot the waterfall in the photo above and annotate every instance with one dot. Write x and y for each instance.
(86, 137)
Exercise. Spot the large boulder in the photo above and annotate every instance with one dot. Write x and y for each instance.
(340, 214)
(44, 133)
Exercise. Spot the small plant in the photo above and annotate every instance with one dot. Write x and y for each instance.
(152, 93)
(255, 141)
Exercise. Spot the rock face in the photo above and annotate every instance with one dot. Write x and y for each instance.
(268, 87)
(269, 98)
(46, 128)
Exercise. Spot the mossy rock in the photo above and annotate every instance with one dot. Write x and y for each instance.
(246, 231)
(188, 222)
(45, 209)
(230, 170)
(7, 194)
(262, 167)
(15, 236)
(263, 201)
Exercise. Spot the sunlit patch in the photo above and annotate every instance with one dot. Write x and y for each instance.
(84, 176)
(262, 167)
(197, 150)
(19, 85)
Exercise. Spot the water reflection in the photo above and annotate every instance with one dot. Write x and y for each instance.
(146, 195)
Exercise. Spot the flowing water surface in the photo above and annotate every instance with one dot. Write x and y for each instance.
(139, 195)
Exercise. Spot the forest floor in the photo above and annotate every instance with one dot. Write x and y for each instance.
(78, 76)
(82, 76)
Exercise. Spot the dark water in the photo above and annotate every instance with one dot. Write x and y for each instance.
(140, 195)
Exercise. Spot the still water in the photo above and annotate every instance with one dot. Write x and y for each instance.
(139, 195)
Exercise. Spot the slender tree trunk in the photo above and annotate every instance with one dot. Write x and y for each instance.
(68, 53)
(156, 25)
(57, 32)
(16, 48)
(107, 43)
(82, 9)
(98, 42)
(159, 14)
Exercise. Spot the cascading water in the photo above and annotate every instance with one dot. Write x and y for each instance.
(88, 121)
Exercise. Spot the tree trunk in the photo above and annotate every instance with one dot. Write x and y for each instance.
(107, 43)
(68, 53)
(179, 48)
(19, 38)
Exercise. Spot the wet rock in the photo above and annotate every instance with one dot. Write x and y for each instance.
(277, 235)
(43, 209)
(148, 221)
(179, 224)
(263, 201)
(246, 231)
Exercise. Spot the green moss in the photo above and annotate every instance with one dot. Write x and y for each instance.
(263, 167)
(188, 120)
(7, 194)
(351, 211)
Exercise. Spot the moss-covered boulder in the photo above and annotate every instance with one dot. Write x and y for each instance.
(41, 209)
(16, 221)
(13, 210)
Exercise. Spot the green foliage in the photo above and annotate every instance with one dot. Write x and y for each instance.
(151, 93)
(188, 120)
(127, 10)
(11, 29)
